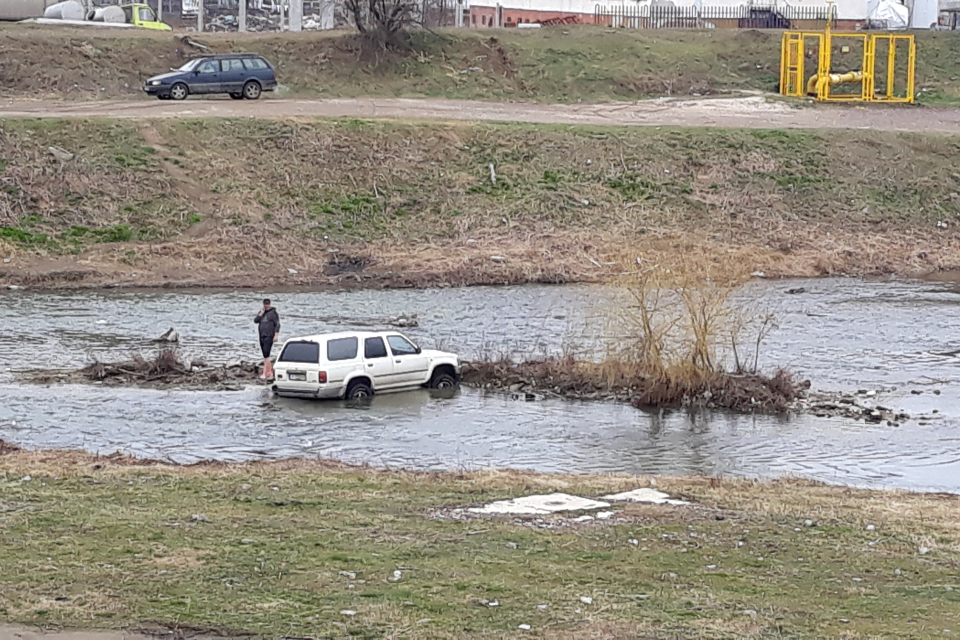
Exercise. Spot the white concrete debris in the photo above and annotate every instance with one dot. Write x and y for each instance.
(644, 495)
(539, 505)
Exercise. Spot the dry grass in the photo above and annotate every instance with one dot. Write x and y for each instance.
(240, 202)
(560, 64)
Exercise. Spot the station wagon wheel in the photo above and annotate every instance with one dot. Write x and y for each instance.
(441, 380)
(179, 91)
(358, 391)
(251, 90)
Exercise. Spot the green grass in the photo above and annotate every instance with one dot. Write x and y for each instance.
(282, 552)
(559, 64)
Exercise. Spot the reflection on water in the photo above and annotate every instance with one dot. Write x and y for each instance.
(843, 334)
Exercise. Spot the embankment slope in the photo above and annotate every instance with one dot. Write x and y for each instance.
(252, 202)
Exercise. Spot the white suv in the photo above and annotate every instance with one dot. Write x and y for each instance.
(357, 364)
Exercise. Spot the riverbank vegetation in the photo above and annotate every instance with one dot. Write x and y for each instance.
(310, 549)
(356, 203)
(559, 64)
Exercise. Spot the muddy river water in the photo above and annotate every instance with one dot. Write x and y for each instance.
(843, 334)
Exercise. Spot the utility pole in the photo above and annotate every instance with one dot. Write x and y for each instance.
(242, 17)
(200, 15)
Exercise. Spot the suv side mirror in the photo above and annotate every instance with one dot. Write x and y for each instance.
(419, 349)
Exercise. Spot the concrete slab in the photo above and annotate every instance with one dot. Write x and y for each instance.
(539, 505)
(644, 495)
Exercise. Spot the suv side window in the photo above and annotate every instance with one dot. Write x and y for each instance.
(342, 349)
(401, 346)
(374, 348)
(232, 65)
(254, 63)
(146, 15)
(210, 66)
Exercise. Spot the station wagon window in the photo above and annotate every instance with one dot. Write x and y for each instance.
(232, 65)
(342, 349)
(300, 352)
(254, 63)
(210, 66)
(401, 346)
(374, 348)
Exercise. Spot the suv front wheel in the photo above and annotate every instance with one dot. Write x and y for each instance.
(443, 380)
(251, 90)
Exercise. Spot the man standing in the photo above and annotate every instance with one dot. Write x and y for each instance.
(269, 321)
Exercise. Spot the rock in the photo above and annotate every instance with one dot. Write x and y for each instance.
(524, 627)
(498, 258)
(511, 545)
(634, 542)
(199, 517)
(750, 612)
(292, 272)
(797, 290)
(924, 550)
(26, 479)
(586, 599)
(758, 274)
(60, 154)
(397, 576)
(348, 612)
(349, 574)
(808, 523)
(543, 607)
(871, 527)
(870, 394)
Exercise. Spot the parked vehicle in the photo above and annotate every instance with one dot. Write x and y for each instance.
(242, 75)
(358, 364)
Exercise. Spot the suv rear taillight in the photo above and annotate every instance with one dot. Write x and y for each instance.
(322, 377)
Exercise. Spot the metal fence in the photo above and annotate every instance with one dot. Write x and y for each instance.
(692, 17)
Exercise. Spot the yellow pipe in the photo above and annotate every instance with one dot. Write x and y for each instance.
(833, 78)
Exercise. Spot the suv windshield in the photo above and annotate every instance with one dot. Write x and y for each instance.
(190, 66)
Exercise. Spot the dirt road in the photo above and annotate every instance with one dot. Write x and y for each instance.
(750, 112)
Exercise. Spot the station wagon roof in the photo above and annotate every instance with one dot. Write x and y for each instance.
(218, 56)
(344, 334)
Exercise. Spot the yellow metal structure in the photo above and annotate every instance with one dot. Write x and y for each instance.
(887, 65)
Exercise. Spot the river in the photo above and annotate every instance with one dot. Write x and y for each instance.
(895, 337)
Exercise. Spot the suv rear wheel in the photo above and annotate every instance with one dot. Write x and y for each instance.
(179, 91)
(358, 390)
(251, 90)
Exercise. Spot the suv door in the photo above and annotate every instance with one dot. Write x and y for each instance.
(207, 77)
(409, 365)
(232, 75)
(378, 364)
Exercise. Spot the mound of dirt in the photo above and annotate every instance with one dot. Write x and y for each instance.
(164, 371)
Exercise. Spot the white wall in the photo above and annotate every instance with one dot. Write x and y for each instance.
(846, 9)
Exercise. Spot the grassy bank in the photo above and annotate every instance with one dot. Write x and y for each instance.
(246, 201)
(283, 549)
(559, 64)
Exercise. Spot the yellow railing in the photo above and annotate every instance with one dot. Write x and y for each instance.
(834, 51)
